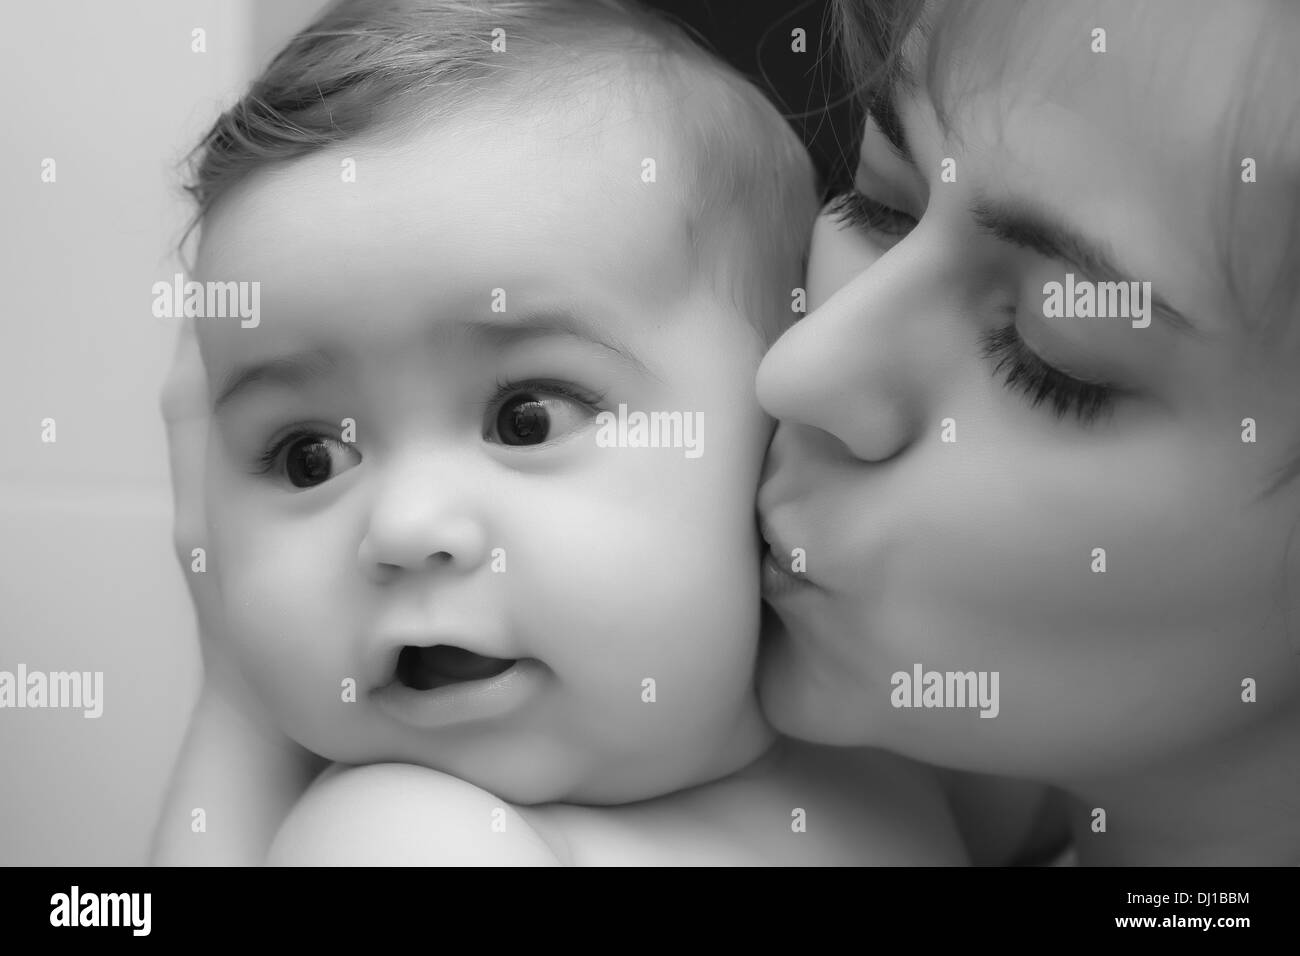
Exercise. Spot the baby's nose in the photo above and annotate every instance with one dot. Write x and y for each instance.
(448, 540)
(421, 522)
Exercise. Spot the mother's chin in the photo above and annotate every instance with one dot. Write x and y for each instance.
(807, 690)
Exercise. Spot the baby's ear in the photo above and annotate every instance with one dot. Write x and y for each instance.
(184, 393)
(404, 815)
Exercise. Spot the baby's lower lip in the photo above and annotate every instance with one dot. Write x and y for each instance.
(462, 701)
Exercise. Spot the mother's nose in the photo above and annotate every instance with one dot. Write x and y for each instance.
(856, 366)
(427, 512)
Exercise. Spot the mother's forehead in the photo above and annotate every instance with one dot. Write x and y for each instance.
(1163, 67)
(1151, 120)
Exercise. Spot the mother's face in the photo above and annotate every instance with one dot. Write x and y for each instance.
(957, 461)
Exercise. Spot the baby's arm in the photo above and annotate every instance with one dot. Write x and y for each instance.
(404, 815)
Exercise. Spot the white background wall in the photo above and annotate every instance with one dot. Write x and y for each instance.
(114, 94)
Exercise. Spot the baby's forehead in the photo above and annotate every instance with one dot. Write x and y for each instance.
(622, 178)
(509, 225)
(545, 186)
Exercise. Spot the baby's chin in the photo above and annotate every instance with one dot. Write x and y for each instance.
(539, 769)
(596, 786)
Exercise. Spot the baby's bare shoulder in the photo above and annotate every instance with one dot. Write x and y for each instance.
(404, 815)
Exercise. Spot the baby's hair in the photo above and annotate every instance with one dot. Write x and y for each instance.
(384, 67)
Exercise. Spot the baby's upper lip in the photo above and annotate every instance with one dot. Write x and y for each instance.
(386, 646)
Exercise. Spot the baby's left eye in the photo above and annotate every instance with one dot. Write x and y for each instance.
(536, 416)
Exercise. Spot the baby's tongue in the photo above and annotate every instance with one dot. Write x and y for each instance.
(429, 667)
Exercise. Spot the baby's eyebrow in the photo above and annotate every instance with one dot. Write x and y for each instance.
(544, 323)
(285, 371)
(298, 369)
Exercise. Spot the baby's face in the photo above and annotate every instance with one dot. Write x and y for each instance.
(473, 301)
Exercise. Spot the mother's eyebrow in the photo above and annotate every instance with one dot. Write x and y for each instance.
(883, 107)
(1023, 225)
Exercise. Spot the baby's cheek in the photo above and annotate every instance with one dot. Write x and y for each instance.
(258, 618)
(678, 601)
(285, 632)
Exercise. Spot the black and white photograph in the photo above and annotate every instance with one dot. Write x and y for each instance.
(652, 433)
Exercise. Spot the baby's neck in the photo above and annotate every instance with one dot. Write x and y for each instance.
(1234, 804)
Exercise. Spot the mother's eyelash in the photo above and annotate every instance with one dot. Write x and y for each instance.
(854, 208)
(1024, 371)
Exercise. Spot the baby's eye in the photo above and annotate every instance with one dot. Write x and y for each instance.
(534, 416)
(310, 459)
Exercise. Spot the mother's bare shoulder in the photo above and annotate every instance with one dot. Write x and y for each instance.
(880, 808)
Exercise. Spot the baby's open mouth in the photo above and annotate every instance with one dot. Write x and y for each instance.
(425, 668)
